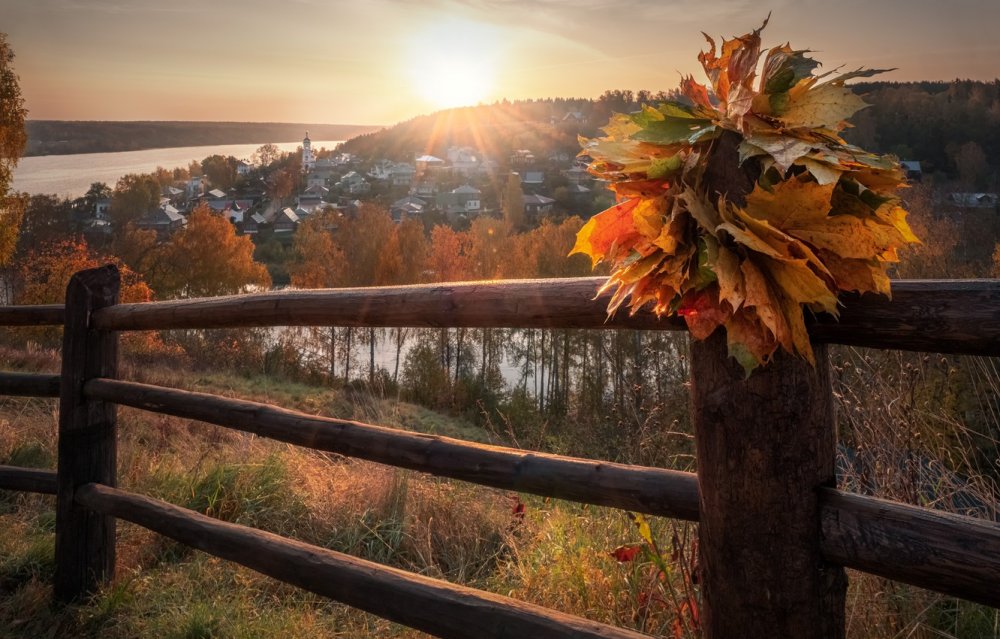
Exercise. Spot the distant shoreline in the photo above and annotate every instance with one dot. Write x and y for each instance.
(73, 137)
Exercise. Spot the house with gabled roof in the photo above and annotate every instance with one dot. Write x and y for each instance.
(537, 205)
(163, 219)
(407, 208)
(286, 221)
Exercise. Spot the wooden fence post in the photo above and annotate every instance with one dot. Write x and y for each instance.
(85, 540)
(765, 445)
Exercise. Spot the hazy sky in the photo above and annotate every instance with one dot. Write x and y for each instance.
(381, 61)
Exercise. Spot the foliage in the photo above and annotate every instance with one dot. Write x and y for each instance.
(207, 258)
(134, 197)
(739, 211)
(317, 261)
(12, 141)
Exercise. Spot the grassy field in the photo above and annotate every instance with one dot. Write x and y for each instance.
(556, 554)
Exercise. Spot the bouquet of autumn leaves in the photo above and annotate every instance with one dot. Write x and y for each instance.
(743, 208)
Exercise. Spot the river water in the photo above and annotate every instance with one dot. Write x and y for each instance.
(71, 175)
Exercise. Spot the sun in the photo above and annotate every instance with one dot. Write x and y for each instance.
(453, 64)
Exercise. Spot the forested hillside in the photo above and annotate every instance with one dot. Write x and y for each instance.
(56, 137)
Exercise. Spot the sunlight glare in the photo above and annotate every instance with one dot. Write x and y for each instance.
(453, 63)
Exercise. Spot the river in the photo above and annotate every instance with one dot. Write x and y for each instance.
(71, 175)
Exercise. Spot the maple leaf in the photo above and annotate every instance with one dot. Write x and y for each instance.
(604, 230)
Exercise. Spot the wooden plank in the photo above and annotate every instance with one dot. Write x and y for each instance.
(952, 554)
(29, 384)
(30, 480)
(37, 315)
(944, 316)
(433, 606)
(648, 490)
(85, 541)
(765, 444)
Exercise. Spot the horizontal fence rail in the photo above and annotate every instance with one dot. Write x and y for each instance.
(29, 384)
(942, 316)
(648, 490)
(939, 551)
(438, 607)
(29, 480)
(38, 315)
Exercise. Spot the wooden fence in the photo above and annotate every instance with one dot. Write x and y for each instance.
(775, 532)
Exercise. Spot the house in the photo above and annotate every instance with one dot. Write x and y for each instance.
(102, 209)
(286, 221)
(425, 189)
(407, 208)
(401, 174)
(312, 198)
(253, 223)
(163, 219)
(533, 180)
(913, 171)
(578, 193)
(464, 160)
(195, 186)
(465, 200)
(353, 184)
(973, 200)
(577, 175)
(537, 205)
(243, 168)
(574, 117)
(425, 163)
(395, 173)
(522, 158)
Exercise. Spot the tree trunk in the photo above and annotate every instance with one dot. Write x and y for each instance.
(765, 445)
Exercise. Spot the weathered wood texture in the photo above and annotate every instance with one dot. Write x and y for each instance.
(765, 444)
(943, 316)
(37, 315)
(29, 384)
(867, 545)
(433, 606)
(29, 480)
(649, 490)
(948, 553)
(85, 541)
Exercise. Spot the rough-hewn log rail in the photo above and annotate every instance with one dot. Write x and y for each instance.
(433, 606)
(29, 480)
(39, 315)
(29, 384)
(942, 316)
(649, 490)
(947, 553)
(952, 554)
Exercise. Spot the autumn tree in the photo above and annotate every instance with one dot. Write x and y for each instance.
(12, 141)
(43, 274)
(448, 259)
(134, 197)
(220, 171)
(488, 247)
(317, 261)
(47, 219)
(266, 154)
(513, 202)
(207, 258)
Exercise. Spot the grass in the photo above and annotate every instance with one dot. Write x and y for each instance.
(556, 554)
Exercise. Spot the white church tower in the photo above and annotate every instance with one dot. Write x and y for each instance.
(308, 160)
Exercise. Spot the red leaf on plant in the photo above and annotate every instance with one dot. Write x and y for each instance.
(626, 553)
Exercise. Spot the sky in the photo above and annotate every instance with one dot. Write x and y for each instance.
(383, 61)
